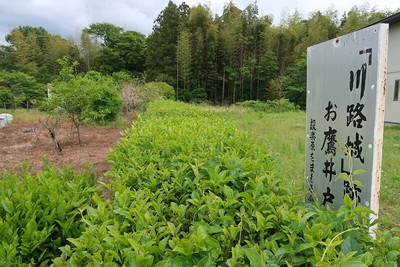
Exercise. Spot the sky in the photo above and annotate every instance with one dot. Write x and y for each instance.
(68, 18)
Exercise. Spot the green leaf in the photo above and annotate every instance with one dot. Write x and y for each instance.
(284, 250)
(359, 171)
(354, 264)
(363, 209)
(393, 255)
(179, 261)
(368, 258)
(350, 245)
(254, 257)
(347, 201)
(304, 246)
(343, 176)
(390, 264)
(358, 183)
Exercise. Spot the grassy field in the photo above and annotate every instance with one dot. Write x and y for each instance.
(285, 135)
(24, 115)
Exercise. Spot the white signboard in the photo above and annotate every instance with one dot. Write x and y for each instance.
(345, 110)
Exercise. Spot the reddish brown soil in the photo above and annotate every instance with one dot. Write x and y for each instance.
(31, 142)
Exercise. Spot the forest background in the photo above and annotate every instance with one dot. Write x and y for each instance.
(225, 59)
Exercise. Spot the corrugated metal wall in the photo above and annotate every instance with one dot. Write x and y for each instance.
(392, 109)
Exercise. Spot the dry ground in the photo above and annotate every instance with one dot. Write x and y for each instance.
(31, 142)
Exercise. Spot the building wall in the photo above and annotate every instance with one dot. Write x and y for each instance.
(392, 109)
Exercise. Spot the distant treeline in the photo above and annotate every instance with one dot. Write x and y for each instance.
(233, 57)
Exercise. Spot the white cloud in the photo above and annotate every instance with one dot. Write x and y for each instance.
(67, 18)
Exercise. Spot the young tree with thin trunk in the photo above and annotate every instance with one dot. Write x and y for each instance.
(51, 123)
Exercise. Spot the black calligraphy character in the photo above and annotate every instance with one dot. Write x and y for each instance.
(312, 125)
(312, 138)
(360, 76)
(310, 198)
(328, 196)
(367, 51)
(355, 115)
(330, 114)
(328, 170)
(352, 193)
(355, 147)
(330, 141)
(342, 170)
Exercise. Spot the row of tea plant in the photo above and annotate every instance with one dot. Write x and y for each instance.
(186, 188)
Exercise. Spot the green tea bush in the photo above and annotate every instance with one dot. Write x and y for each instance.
(191, 190)
(39, 212)
(277, 105)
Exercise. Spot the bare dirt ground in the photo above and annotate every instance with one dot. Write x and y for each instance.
(31, 142)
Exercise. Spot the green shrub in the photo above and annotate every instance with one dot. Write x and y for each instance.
(196, 95)
(6, 98)
(38, 213)
(277, 105)
(191, 190)
(161, 90)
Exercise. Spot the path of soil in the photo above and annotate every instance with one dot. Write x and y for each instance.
(30, 142)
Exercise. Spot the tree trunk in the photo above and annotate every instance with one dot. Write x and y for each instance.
(223, 87)
(51, 125)
(234, 93)
(55, 141)
(78, 131)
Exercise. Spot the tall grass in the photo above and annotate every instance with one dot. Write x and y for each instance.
(24, 115)
(284, 134)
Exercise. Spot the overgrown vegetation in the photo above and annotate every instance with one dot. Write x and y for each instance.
(279, 105)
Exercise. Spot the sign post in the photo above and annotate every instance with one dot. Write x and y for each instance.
(346, 80)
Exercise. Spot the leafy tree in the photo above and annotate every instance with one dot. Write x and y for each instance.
(88, 48)
(92, 97)
(105, 103)
(296, 83)
(6, 97)
(286, 39)
(321, 26)
(6, 60)
(120, 50)
(162, 43)
(359, 17)
(20, 45)
(231, 44)
(55, 49)
(105, 32)
(184, 55)
(34, 51)
(26, 91)
(200, 22)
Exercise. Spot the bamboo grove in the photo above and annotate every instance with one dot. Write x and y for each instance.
(226, 58)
